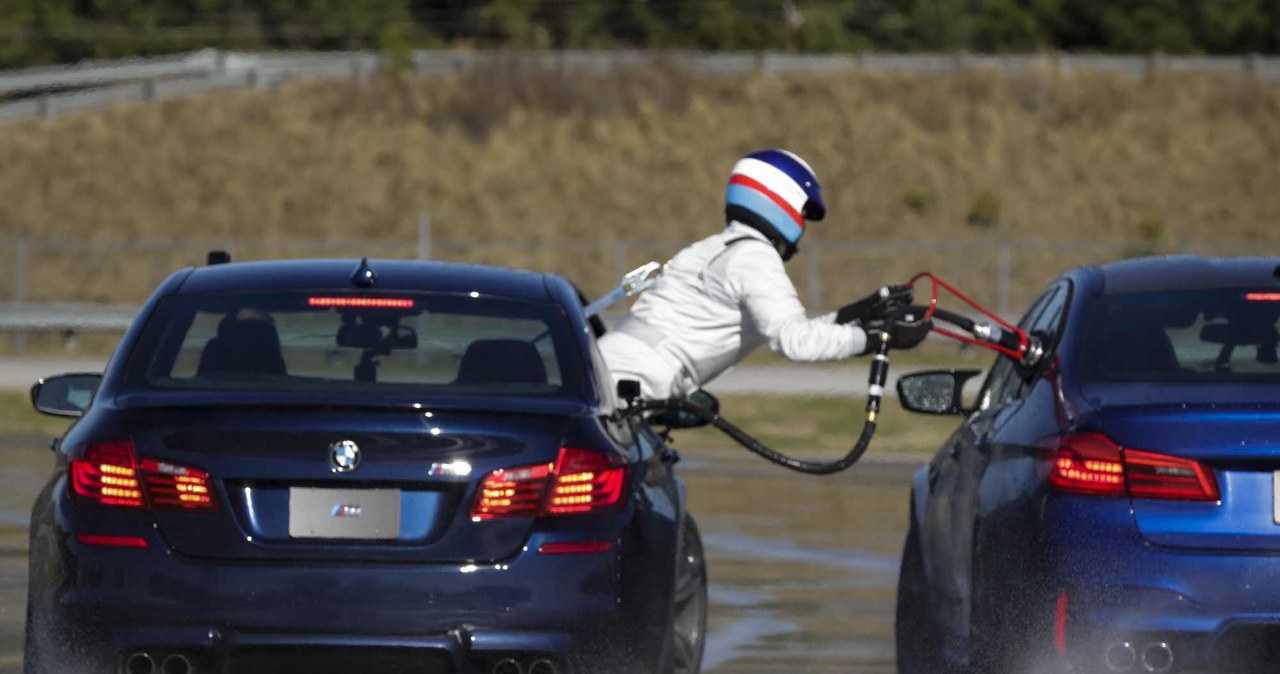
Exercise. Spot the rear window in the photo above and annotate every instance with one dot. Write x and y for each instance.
(310, 342)
(1183, 336)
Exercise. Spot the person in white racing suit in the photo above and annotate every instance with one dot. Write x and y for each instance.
(725, 295)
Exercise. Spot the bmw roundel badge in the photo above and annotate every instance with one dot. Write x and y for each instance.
(344, 456)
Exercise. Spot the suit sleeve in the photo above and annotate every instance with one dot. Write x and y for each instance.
(769, 301)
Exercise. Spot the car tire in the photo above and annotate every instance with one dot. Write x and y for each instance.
(915, 637)
(687, 639)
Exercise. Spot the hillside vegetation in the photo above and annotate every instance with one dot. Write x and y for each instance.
(507, 155)
(38, 31)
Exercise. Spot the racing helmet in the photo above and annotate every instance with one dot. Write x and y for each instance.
(774, 191)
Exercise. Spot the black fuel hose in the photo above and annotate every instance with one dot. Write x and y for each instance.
(879, 374)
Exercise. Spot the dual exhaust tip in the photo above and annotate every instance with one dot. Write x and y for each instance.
(143, 663)
(1156, 657)
(513, 666)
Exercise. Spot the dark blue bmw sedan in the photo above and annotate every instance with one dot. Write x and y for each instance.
(1115, 508)
(332, 466)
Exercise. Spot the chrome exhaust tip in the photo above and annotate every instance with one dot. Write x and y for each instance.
(176, 663)
(140, 663)
(1157, 657)
(543, 667)
(1121, 657)
(507, 666)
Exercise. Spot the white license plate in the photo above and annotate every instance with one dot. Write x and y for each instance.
(370, 514)
(1275, 498)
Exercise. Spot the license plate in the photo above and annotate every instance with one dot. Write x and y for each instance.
(370, 514)
(1275, 498)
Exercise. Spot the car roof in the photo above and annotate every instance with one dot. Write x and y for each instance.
(1188, 272)
(390, 276)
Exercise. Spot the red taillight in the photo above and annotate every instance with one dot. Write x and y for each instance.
(174, 487)
(1168, 477)
(511, 492)
(1088, 463)
(581, 481)
(1091, 463)
(109, 473)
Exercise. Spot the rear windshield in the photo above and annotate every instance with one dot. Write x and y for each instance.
(307, 342)
(1183, 336)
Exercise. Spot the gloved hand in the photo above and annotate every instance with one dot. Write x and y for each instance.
(876, 305)
(905, 327)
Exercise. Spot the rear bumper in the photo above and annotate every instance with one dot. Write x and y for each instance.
(574, 610)
(1209, 607)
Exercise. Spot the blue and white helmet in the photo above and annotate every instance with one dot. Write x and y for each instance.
(776, 192)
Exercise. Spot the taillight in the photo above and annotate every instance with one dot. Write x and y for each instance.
(581, 481)
(109, 473)
(584, 482)
(174, 487)
(511, 492)
(1091, 463)
(1168, 477)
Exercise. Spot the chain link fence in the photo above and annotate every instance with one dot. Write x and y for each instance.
(42, 275)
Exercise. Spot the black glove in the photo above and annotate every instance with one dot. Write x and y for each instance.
(905, 327)
(876, 305)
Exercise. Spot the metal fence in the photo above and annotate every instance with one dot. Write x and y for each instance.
(50, 91)
(58, 284)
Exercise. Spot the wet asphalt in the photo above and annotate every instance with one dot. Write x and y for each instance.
(803, 569)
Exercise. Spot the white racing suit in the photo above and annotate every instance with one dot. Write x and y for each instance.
(718, 299)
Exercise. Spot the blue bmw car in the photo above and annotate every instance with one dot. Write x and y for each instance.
(1117, 507)
(338, 466)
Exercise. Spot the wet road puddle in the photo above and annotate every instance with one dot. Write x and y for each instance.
(803, 569)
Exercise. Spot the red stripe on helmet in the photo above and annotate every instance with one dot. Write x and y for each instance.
(739, 179)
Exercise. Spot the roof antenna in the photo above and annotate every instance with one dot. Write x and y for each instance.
(217, 257)
(364, 276)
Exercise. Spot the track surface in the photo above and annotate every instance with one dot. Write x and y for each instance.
(802, 568)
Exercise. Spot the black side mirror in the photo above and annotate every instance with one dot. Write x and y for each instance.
(66, 395)
(677, 419)
(935, 391)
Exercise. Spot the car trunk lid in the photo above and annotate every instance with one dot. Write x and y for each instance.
(1239, 443)
(283, 495)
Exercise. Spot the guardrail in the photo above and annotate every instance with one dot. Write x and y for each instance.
(47, 92)
(61, 317)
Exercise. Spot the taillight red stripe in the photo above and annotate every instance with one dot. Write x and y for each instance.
(1262, 297)
(1060, 624)
(112, 541)
(575, 548)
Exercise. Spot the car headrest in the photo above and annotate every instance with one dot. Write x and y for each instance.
(502, 361)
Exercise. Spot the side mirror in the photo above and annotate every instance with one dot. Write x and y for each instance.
(701, 398)
(66, 395)
(935, 391)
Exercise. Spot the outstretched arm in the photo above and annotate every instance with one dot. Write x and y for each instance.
(769, 300)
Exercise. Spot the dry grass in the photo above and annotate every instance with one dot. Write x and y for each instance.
(518, 156)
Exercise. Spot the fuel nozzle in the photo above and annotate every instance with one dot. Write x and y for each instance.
(1029, 347)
